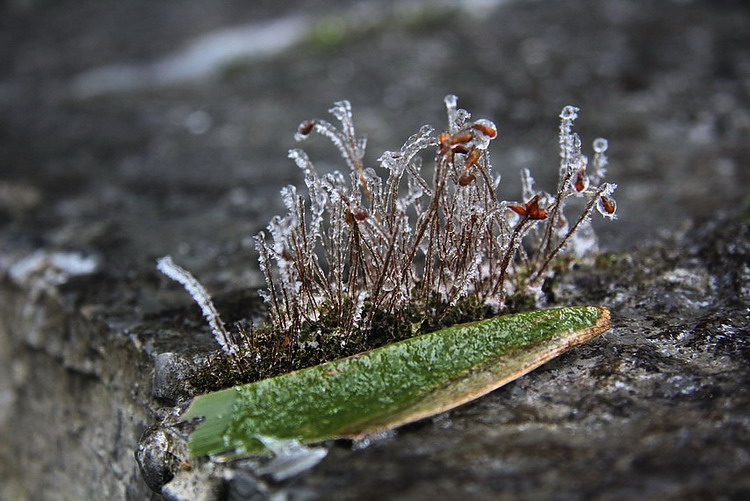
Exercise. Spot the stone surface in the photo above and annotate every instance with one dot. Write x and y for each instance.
(656, 408)
(172, 378)
(94, 186)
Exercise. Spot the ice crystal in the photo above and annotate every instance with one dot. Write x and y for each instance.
(290, 458)
(409, 245)
(167, 266)
(406, 240)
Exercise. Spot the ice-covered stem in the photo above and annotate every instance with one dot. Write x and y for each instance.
(510, 252)
(530, 214)
(351, 147)
(604, 191)
(271, 296)
(570, 148)
(361, 244)
(168, 267)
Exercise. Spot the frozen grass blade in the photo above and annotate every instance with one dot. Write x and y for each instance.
(388, 386)
(167, 266)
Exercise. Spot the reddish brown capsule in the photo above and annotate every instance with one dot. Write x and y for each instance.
(518, 210)
(530, 210)
(581, 181)
(361, 215)
(609, 205)
(461, 138)
(456, 142)
(473, 158)
(306, 127)
(444, 139)
(536, 213)
(466, 179)
(487, 131)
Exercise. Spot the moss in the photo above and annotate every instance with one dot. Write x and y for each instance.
(361, 244)
(744, 214)
(608, 261)
(521, 302)
(266, 353)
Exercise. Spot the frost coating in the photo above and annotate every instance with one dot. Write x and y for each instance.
(290, 458)
(420, 239)
(201, 297)
(600, 145)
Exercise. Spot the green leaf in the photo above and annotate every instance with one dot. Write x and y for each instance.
(388, 386)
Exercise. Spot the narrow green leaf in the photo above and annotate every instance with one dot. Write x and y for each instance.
(389, 386)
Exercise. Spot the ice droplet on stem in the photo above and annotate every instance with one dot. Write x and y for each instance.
(569, 113)
(600, 145)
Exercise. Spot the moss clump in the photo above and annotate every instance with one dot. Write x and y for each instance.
(266, 353)
(371, 257)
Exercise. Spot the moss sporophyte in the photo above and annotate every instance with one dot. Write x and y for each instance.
(404, 276)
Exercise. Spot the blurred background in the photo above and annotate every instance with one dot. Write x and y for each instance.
(145, 128)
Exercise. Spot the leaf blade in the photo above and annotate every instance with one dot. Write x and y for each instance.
(389, 386)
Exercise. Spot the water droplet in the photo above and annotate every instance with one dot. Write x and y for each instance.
(600, 145)
(569, 113)
(607, 207)
(389, 285)
(486, 127)
(451, 101)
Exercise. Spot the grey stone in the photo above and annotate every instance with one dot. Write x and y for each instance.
(193, 486)
(172, 378)
(92, 357)
(244, 487)
(156, 458)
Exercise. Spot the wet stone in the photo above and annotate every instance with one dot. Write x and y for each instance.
(172, 378)
(156, 458)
